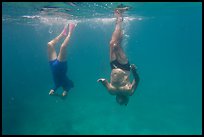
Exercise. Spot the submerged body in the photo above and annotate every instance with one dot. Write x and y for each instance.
(120, 84)
(58, 64)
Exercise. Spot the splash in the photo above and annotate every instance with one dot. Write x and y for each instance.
(31, 17)
(56, 22)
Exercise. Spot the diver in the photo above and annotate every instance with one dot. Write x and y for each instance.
(120, 85)
(58, 64)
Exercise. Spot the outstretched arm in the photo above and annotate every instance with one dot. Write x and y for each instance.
(136, 78)
(106, 84)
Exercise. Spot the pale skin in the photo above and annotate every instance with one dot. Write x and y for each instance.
(52, 55)
(124, 87)
(120, 79)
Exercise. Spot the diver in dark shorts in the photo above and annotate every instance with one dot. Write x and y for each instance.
(120, 85)
(58, 63)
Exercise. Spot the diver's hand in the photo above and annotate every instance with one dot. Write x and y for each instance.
(133, 67)
(101, 80)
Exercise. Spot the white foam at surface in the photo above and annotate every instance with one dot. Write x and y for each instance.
(53, 20)
(56, 22)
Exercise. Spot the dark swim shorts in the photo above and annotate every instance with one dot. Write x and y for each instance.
(59, 70)
(115, 64)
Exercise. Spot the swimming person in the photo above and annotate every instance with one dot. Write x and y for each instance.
(120, 85)
(58, 63)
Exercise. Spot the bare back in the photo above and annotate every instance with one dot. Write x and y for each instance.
(120, 82)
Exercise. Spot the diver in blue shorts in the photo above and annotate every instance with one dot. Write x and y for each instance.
(58, 63)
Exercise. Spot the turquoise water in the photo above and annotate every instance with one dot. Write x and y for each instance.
(163, 39)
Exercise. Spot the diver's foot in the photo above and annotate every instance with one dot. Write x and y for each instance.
(51, 92)
(64, 31)
(64, 93)
(71, 27)
(119, 11)
(118, 15)
(122, 8)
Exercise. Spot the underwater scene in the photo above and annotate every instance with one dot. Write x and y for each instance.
(162, 39)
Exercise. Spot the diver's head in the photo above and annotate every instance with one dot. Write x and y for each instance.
(118, 77)
(122, 99)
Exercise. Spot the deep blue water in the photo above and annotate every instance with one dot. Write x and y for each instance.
(166, 46)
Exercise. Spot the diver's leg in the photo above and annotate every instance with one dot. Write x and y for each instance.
(62, 54)
(120, 55)
(116, 38)
(52, 55)
(116, 51)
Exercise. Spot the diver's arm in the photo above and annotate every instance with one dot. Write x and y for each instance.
(105, 83)
(136, 79)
